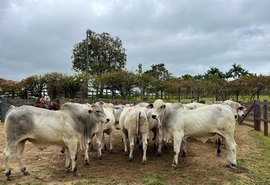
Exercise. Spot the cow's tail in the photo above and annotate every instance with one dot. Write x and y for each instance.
(138, 124)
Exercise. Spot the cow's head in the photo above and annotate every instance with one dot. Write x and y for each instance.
(159, 105)
(97, 114)
(241, 110)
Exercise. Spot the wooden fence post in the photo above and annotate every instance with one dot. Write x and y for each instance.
(265, 117)
(3, 108)
(257, 115)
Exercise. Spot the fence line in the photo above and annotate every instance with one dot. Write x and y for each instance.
(257, 112)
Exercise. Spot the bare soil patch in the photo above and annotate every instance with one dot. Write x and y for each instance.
(201, 166)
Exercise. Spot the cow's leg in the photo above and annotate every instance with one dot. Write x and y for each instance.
(72, 148)
(9, 150)
(156, 141)
(103, 144)
(99, 143)
(177, 139)
(131, 145)
(19, 152)
(125, 142)
(184, 147)
(111, 140)
(231, 147)
(144, 142)
(86, 155)
(160, 139)
(218, 144)
(67, 164)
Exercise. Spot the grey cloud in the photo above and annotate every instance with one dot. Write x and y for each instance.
(189, 37)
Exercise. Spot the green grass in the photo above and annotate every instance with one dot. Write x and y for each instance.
(153, 179)
(258, 162)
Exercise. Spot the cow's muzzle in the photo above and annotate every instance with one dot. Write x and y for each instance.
(107, 120)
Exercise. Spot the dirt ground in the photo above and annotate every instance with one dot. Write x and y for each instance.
(201, 166)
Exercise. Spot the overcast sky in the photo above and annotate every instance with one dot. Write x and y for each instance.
(37, 36)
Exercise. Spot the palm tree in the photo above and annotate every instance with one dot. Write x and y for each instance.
(237, 71)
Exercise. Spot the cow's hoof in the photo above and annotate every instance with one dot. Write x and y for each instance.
(158, 154)
(9, 177)
(126, 153)
(184, 154)
(68, 170)
(231, 165)
(111, 151)
(103, 151)
(86, 163)
(144, 162)
(99, 157)
(173, 166)
(130, 159)
(25, 172)
(77, 174)
(62, 151)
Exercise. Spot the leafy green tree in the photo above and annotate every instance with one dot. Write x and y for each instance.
(214, 71)
(74, 83)
(236, 72)
(160, 73)
(9, 87)
(106, 54)
(55, 84)
(216, 85)
(33, 85)
(121, 80)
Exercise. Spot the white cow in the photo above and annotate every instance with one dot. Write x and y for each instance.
(133, 123)
(177, 123)
(238, 109)
(110, 126)
(117, 112)
(153, 122)
(194, 105)
(65, 128)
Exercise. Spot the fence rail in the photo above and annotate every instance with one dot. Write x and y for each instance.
(257, 112)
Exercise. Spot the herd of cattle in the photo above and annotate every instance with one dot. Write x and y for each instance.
(74, 126)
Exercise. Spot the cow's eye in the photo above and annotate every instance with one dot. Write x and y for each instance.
(98, 111)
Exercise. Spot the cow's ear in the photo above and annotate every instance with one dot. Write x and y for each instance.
(163, 106)
(89, 111)
(241, 108)
(150, 106)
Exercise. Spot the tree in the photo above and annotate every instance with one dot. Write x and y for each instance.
(55, 84)
(236, 72)
(73, 83)
(214, 71)
(121, 80)
(160, 73)
(9, 87)
(106, 54)
(33, 85)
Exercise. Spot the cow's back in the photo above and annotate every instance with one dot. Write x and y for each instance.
(205, 119)
(27, 122)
